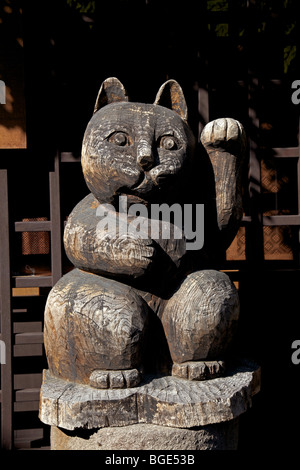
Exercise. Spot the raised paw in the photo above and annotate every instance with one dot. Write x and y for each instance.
(226, 133)
(199, 370)
(115, 378)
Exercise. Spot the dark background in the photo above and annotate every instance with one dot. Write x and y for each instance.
(244, 55)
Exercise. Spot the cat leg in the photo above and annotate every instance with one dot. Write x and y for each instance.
(225, 143)
(199, 322)
(94, 329)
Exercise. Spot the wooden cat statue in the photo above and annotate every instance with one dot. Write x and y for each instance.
(141, 300)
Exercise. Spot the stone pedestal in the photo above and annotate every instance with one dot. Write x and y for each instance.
(221, 436)
(162, 413)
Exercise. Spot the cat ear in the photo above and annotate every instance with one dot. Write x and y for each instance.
(110, 91)
(170, 95)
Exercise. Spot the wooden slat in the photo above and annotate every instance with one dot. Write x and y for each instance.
(28, 394)
(25, 292)
(27, 381)
(27, 400)
(69, 157)
(36, 433)
(25, 350)
(246, 220)
(5, 309)
(33, 226)
(289, 152)
(27, 327)
(29, 338)
(203, 108)
(298, 167)
(298, 185)
(33, 281)
(281, 220)
(56, 226)
(26, 406)
(254, 231)
(25, 438)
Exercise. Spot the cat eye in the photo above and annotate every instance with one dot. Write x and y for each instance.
(168, 142)
(120, 138)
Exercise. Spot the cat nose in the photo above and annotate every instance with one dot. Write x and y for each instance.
(145, 156)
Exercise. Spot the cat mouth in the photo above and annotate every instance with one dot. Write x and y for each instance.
(150, 181)
(144, 183)
(140, 191)
(140, 181)
(145, 188)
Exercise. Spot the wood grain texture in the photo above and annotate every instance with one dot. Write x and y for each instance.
(199, 370)
(225, 142)
(111, 90)
(166, 401)
(93, 323)
(114, 249)
(141, 163)
(201, 317)
(134, 292)
(170, 95)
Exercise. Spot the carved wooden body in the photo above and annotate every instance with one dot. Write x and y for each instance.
(134, 301)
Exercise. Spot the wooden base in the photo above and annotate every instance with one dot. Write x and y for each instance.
(170, 408)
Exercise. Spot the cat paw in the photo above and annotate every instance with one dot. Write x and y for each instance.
(115, 378)
(199, 370)
(226, 133)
